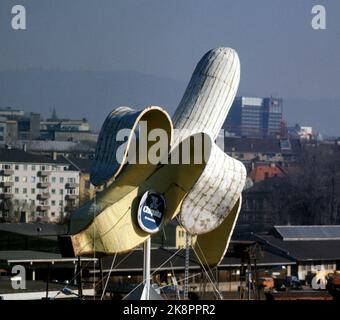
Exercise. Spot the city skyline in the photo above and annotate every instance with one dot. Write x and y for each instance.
(142, 52)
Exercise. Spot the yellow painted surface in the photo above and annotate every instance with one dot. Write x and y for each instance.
(211, 247)
(115, 229)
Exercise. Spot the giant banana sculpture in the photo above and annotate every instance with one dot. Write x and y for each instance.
(189, 176)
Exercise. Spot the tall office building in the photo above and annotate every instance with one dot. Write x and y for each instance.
(255, 117)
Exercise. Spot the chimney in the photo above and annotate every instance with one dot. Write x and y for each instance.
(54, 156)
(24, 147)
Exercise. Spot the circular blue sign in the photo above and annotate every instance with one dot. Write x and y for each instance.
(151, 211)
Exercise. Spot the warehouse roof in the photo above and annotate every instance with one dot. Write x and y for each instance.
(289, 233)
(22, 256)
(304, 250)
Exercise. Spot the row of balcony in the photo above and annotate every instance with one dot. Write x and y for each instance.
(5, 184)
(46, 195)
(6, 172)
(6, 195)
(44, 185)
(9, 172)
(40, 185)
(44, 208)
(40, 196)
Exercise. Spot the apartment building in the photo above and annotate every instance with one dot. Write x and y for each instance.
(36, 187)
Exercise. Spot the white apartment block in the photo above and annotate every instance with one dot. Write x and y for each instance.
(36, 187)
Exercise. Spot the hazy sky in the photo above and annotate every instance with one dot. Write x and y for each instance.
(279, 51)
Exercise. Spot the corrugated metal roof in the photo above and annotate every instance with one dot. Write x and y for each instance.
(14, 256)
(309, 232)
(326, 250)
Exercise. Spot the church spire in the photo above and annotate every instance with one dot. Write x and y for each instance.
(54, 115)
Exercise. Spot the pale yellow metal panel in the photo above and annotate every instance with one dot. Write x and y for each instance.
(214, 194)
(114, 228)
(212, 246)
(203, 108)
(108, 161)
(209, 94)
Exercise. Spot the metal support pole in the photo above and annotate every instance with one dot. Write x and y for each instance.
(47, 279)
(249, 278)
(186, 270)
(79, 279)
(217, 279)
(101, 276)
(147, 268)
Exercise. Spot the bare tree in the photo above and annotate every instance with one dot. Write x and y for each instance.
(309, 194)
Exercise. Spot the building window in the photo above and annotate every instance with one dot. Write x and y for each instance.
(71, 180)
(61, 180)
(32, 179)
(16, 190)
(54, 179)
(32, 202)
(61, 202)
(61, 191)
(24, 190)
(33, 167)
(25, 167)
(24, 179)
(16, 167)
(33, 191)
(16, 179)
(52, 214)
(53, 202)
(53, 191)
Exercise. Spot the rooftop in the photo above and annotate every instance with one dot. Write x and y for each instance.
(294, 233)
(29, 256)
(20, 156)
(31, 229)
(304, 250)
(174, 259)
(267, 145)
